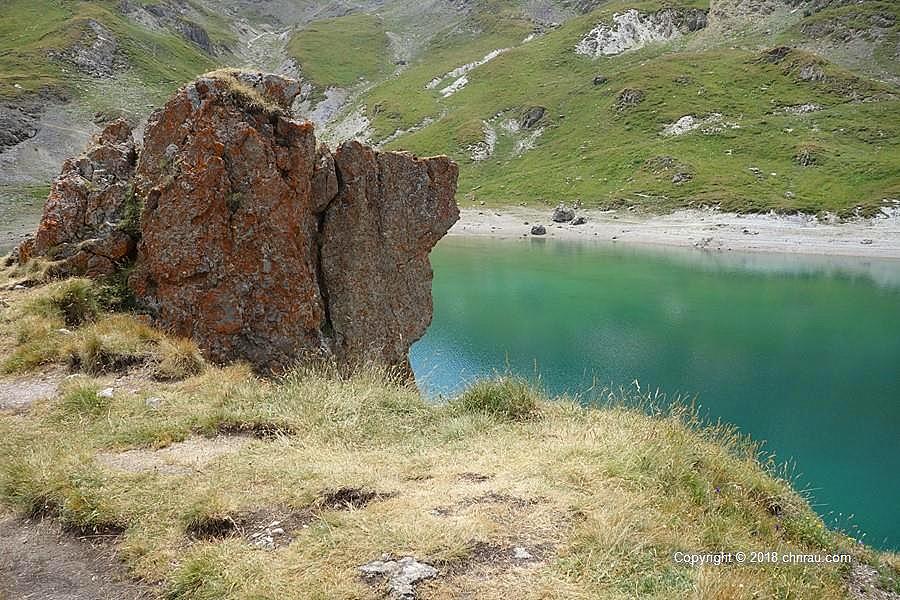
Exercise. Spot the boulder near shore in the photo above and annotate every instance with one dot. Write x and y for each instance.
(247, 236)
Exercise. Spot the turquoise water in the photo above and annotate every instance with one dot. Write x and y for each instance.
(803, 353)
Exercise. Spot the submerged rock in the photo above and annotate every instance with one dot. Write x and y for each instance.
(84, 226)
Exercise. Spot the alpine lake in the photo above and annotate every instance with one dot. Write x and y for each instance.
(801, 353)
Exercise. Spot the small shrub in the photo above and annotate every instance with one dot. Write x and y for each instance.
(114, 293)
(131, 217)
(508, 398)
(177, 359)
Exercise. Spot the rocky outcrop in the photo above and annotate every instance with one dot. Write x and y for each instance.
(633, 29)
(84, 227)
(390, 210)
(175, 15)
(18, 122)
(228, 247)
(96, 53)
(252, 240)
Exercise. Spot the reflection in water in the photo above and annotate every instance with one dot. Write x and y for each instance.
(802, 352)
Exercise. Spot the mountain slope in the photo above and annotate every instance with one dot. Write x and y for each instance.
(710, 123)
(750, 106)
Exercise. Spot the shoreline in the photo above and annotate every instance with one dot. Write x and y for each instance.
(707, 230)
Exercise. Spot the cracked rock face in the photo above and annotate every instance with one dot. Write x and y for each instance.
(83, 223)
(263, 247)
(390, 210)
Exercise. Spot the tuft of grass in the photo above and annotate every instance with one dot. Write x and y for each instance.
(83, 399)
(245, 96)
(113, 344)
(75, 301)
(176, 359)
(505, 398)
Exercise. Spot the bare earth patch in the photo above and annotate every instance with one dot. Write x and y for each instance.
(21, 392)
(40, 562)
(265, 528)
(181, 458)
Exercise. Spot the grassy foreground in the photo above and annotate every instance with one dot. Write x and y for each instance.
(183, 464)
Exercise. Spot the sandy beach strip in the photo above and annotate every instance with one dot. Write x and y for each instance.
(708, 230)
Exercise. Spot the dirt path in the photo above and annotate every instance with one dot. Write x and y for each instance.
(39, 562)
(21, 392)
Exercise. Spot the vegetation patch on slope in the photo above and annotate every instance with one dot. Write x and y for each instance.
(33, 32)
(342, 51)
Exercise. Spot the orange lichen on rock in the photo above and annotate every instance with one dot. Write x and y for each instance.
(263, 246)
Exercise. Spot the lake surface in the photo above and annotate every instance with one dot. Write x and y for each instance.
(801, 352)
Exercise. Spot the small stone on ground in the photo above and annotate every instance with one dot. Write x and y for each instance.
(402, 575)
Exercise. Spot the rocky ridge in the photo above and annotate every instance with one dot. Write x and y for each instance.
(253, 240)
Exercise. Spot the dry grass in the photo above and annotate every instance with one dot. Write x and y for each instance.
(600, 497)
(65, 322)
(244, 95)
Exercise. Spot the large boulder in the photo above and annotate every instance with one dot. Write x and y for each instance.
(85, 225)
(263, 247)
(252, 239)
(390, 211)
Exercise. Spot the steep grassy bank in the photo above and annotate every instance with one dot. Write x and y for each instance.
(189, 466)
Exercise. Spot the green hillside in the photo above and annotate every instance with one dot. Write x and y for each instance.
(759, 151)
(341, 51)
(32, 31)
(812, 128)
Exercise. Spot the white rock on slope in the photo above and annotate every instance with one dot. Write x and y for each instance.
(633, 29)
(458, 74)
